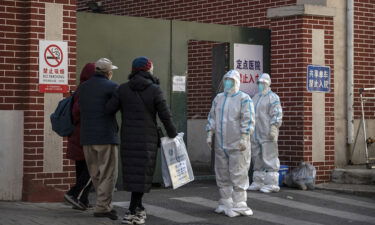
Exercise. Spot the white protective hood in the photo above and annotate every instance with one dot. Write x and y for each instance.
(235, 75)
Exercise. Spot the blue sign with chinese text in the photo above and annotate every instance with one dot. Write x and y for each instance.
(318, 78)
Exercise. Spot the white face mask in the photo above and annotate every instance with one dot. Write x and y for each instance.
(260, 87)
(228, 84)
(151, 69)
(110, 74)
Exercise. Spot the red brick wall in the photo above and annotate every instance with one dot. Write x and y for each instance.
(364, 55)
(288, 63)
(199, 79)
(231, 12)
(22, 25)
(291, 53)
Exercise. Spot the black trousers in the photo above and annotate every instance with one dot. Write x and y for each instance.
(136, 202)
(83, 182)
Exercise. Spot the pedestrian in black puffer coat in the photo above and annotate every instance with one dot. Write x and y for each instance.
(140, 100)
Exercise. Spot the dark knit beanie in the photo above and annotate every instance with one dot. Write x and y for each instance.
(141, 64)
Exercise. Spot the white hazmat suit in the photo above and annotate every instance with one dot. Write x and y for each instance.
(231, 119)
(264, 150)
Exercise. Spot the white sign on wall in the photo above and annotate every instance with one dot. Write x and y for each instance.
(53, 66)
(179, 83)
(248, 61)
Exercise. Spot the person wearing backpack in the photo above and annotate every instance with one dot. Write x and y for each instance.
(78, 194)
(140, 100)
(99, 135)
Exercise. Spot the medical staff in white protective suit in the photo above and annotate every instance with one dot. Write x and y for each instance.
(264, 151)
(231, 119)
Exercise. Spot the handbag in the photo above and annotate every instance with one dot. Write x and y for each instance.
(158, 128)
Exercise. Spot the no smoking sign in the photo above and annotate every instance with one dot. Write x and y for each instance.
(53, 55)
(53, 66)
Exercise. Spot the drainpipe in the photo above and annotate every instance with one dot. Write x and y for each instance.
(349, 72)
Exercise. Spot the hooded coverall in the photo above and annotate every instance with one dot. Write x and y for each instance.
(268, 117)
(232, 120)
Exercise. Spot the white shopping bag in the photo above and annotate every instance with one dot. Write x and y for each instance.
(175, 163)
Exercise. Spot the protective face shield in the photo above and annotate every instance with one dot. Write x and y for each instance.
(228, 84)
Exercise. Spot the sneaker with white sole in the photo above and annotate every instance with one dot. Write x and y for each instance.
(138, 219)
(141, 212)
(130, 218)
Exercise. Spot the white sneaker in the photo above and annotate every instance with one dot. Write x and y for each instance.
(132, 219)
(141, 212)
(128, 218)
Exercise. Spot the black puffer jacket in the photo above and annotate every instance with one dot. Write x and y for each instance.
(139, 137)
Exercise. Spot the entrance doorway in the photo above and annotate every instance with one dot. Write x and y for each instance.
(173, 46)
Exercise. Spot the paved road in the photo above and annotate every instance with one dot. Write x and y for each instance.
(193, 204)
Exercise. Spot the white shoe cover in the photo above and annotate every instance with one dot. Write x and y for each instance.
(271, 183)
(247, 212)
(270, 188)
(255, 186)
(224, 205)
(220, 209)
(231, 213)
(258, 181)
(242, 208)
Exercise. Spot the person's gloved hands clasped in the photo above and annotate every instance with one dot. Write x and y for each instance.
(209, 139)
(244, 142)
(274, 133)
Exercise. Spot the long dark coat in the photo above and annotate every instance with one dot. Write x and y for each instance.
(139, 137)
(75, 150)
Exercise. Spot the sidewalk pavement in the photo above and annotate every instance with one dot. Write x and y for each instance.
(356, 189)
(352, 179)
(16, 213)
(364, 190)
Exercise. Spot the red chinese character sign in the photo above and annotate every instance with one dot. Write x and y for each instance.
(248, 61)
(53, 66)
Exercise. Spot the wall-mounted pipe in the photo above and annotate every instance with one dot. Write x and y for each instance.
(350, 70)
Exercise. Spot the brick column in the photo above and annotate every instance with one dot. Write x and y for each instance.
(308, 129)
(23, 24)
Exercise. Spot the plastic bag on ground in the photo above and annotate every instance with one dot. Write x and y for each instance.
(302, 177)
(175, 163)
